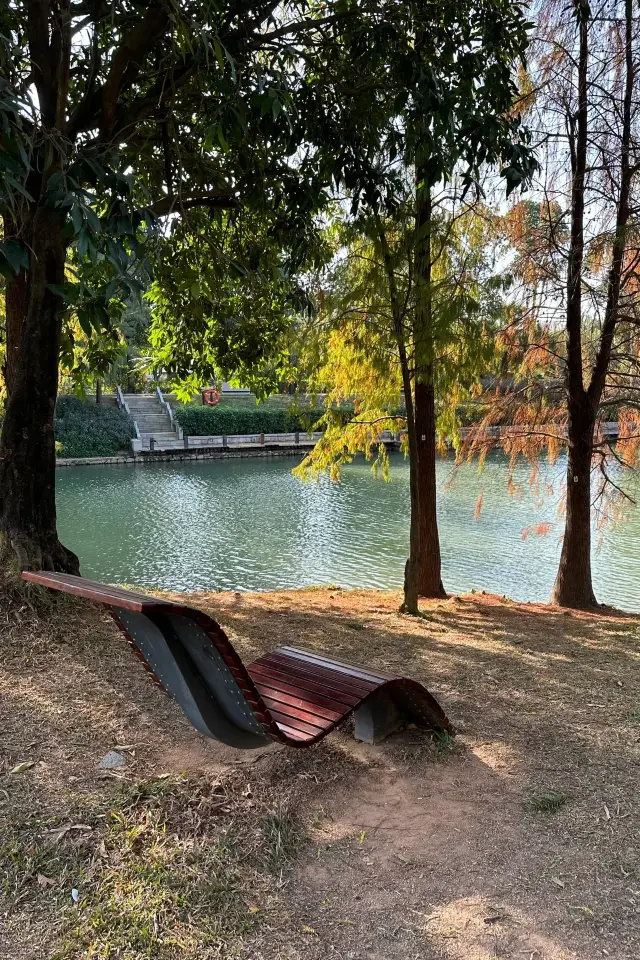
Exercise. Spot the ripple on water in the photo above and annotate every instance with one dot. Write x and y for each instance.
(250, 525)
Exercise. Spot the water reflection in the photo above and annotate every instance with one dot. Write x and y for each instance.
(250, 525)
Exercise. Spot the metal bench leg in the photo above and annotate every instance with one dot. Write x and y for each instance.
(376, 718)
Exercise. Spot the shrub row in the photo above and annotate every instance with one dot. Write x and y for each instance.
(89, 430)
(202, 421)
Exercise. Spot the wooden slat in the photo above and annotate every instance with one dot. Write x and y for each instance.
(322, 676)
(267, 671)
(300, 725)
(333, 683)
(99, 592)
(339, 665)
(294, 734)
(277, 700)
(271, 679)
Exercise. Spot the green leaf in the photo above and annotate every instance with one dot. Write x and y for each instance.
(77, 217)
(66, 292)
(238, 269)
(94, 221)
(232, 64)
(15, 254)
(222, 139)
(18, 186)
(83, 242)
(85, 322)
(219, 54)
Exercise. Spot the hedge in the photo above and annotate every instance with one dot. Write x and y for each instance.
(90, 430)
(202, 421)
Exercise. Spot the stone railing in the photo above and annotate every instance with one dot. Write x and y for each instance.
(169, 412)
(136, 443)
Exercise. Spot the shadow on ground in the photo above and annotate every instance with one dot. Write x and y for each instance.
(410, 850)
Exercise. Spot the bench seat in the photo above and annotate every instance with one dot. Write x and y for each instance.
(290, 695)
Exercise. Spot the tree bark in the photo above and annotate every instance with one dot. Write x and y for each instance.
(573, 586)
(15, 309)
(27, 445)
(429, 559)
(410, 603)
(429, 571)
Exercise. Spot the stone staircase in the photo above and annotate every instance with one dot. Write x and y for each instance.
(154, 422)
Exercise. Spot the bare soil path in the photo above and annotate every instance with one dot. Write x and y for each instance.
(519, 840)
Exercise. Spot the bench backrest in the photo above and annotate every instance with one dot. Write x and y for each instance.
(188, 653)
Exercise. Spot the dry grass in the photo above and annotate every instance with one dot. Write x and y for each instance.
(517, 840)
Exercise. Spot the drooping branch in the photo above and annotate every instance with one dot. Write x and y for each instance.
(622, 219)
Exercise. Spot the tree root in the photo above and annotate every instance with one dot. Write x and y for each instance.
(42, 553)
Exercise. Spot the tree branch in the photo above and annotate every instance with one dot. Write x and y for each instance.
(174, 204)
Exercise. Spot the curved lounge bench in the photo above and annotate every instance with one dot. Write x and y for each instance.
(293, 696)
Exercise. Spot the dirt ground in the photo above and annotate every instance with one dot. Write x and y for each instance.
(520, 839)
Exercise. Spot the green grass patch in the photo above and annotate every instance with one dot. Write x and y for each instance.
(283, 839)
(163, 869)
(443, 743)
(546, 801)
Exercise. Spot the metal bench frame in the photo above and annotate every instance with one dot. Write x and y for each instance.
(290, 695)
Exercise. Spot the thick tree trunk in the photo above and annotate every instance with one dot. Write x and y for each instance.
(27, 446)
(429, 562)
(15, 310)
(573, 586)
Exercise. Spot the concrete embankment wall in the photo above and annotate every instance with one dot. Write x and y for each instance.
(142, 459)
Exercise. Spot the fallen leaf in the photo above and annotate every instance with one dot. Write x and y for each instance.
(25, 765)
(45, 881)
(306, 929)
(60, 832)
(558, 883)
(362, 836)
(606, 812)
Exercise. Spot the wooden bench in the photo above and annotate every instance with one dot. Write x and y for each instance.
(290, 695)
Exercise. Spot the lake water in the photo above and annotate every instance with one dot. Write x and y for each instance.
(250, 525)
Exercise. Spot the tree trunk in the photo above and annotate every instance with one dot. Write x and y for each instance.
(410, 604)
(411, 570)
(27, 446)
(429, 562)
(573, 586)
(98, 391)
(429, 571)
(15, 309)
